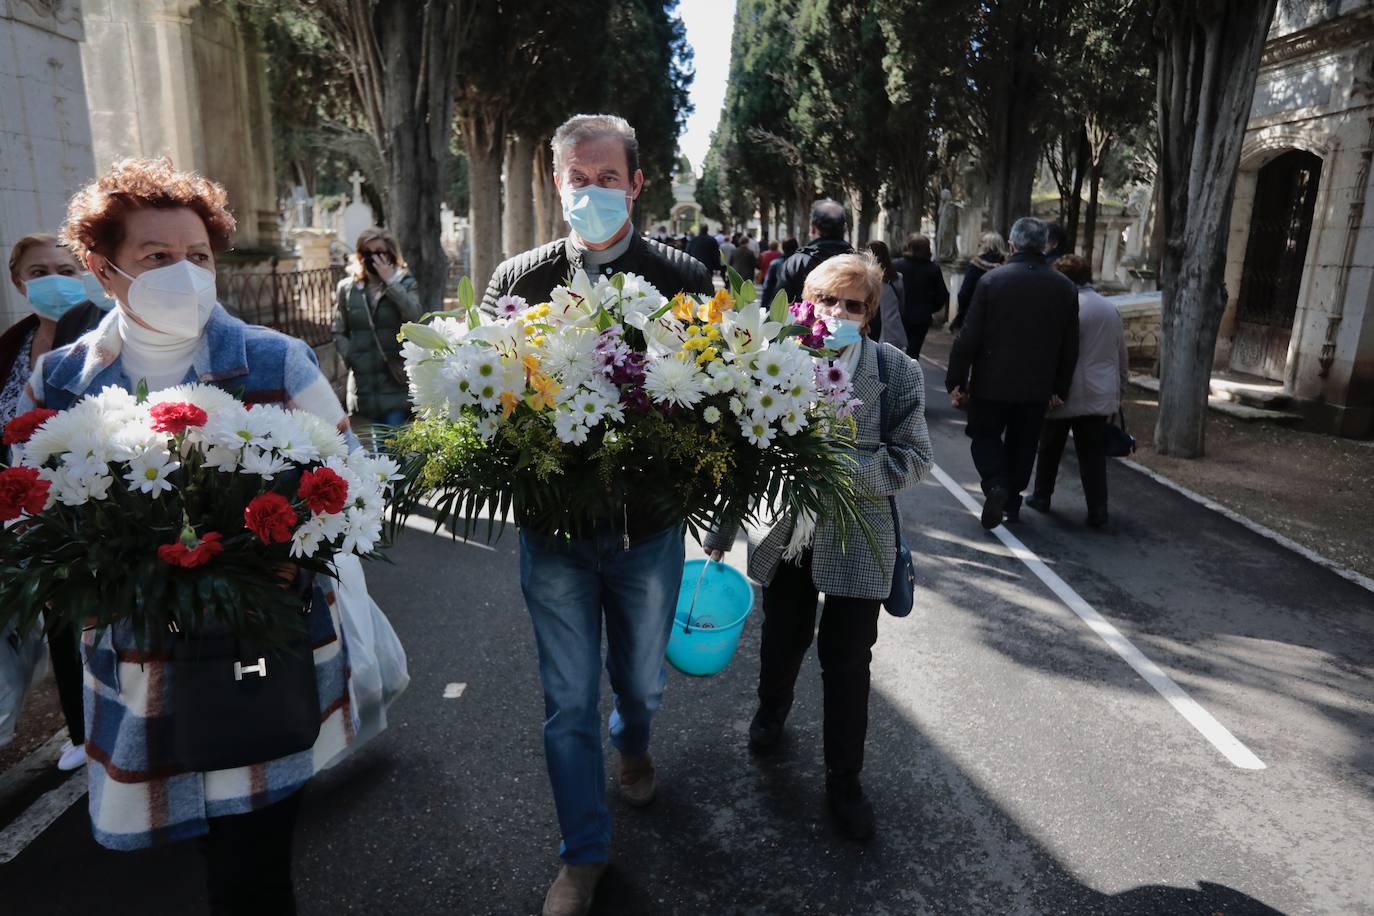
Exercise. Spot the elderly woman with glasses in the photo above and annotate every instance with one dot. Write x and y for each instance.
(799, 559)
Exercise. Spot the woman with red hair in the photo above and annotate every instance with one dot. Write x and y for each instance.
(150, 234)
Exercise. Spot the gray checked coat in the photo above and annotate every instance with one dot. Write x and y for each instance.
(886, 464)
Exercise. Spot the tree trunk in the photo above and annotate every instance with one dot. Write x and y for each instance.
(556, 227)
(1094, 189)
(765, 210)
(414, 42)
(484, 140)
(1080, 166)
(868, 205)
(1208, 62)
(518, 228)
(540, 201)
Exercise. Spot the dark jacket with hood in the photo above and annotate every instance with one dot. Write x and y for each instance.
(791, 275)
(980, 265)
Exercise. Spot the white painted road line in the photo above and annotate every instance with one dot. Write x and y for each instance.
(40, 815)
(454, 691)
(1222, 739)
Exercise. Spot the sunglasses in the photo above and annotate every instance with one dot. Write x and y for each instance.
(852, 306)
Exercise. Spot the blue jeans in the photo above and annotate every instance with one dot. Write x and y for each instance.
(568, 584)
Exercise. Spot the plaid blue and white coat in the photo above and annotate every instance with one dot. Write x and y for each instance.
(139, 797)
(887, 462)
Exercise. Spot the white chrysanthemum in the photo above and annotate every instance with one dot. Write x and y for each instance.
(148, 472)
(765, 401)
(757, 430)
(590, 407)
(673, 381)
(208, 398)
(711, 414)
(307, 537)
(737, 406)
(326, 438)
(793, 421)
(570, 356)
(263, 463)
(569, 428)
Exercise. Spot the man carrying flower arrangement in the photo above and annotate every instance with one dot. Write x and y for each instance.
(628, 565)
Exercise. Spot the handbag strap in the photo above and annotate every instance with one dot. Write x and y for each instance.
(882, 437)
(372, 323)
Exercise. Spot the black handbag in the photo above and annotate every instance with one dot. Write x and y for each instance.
(1119, 443)
(237, 703)
(902, 597)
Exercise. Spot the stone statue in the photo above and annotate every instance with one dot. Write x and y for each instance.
(947, 228)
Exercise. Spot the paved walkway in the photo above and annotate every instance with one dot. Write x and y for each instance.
(1018, 760)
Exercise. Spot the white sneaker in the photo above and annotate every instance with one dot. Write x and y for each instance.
(73, 757)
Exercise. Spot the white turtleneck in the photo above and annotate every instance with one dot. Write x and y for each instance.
(159, 359)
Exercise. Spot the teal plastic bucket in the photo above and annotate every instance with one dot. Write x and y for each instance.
(712, 605)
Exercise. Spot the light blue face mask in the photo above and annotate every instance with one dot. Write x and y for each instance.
(54, 295)
(594, 213)
(96, 293)
(844, 332)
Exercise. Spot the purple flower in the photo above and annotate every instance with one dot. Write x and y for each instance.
(803, 312)
(848, 407)
(510, 306)
(635, 399)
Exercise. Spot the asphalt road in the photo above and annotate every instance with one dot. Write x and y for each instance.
(1018, 764)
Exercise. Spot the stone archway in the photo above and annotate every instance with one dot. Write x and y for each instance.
(683, 217)
(1282, 203)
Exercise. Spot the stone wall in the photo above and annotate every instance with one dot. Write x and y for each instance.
(180, 78)
(45, 134)
(1316, 93)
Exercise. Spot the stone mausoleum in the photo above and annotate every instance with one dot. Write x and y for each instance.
(1300, 265)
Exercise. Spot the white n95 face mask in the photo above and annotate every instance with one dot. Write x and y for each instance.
(175, 300)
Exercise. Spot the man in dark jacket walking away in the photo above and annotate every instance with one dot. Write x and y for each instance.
(705, 249)
(925, 291)
(828, 223)
(570, 584)
(1014, 360)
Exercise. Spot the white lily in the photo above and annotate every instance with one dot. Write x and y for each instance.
(747, 332)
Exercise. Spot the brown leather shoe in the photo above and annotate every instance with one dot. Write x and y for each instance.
(572, 891)
(637, 780)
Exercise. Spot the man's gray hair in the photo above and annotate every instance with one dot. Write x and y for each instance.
(829, 218)
(1029, 234)
(581, 128)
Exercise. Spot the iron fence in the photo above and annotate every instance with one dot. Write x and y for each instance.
(297, 302)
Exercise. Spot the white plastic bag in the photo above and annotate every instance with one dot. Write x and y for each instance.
(21, 664)
(376, 659)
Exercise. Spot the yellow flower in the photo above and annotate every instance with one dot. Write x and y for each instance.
(531, 362)
(545, 388)
(537, 341)
(509, 401)
(712, 332)
(682, 307)
(696, 343)
(707, 355)
(714, 310)
(539, 311)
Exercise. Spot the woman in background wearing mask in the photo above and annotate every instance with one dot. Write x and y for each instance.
(801, 557)
(150, 234)
(371, 304)
(49, 277)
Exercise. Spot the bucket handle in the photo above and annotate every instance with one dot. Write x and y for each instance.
(687, 624)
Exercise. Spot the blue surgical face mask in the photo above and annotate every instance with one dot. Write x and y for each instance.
(595, 213)
(54, 295)
(96, 293)
(843, 333)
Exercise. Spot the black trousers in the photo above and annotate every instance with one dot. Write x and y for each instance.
(248, 861)
(916, 339)
(1089, 442)
(849, 628)
(1004, 434)
(65, 653)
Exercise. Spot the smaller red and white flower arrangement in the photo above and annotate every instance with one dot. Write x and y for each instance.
(177, 509)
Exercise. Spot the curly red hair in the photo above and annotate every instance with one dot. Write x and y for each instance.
(95, 215)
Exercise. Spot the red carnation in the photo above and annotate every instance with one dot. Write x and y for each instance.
(21, 428)
(270, 517)
(22, 490)
(198, 554)
(175, 417)
(324, 491)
